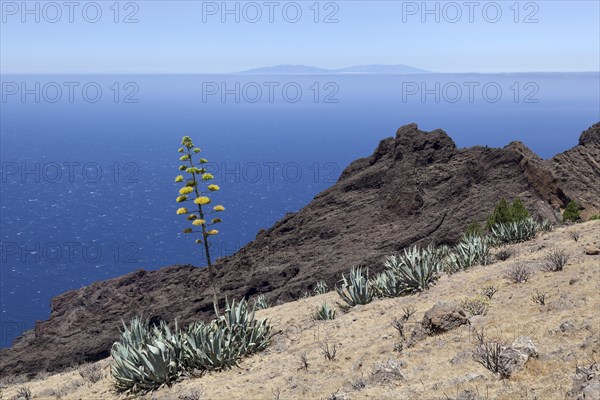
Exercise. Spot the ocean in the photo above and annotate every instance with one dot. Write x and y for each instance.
(88, 162)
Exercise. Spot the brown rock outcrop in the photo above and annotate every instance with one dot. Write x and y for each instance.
(416, 188)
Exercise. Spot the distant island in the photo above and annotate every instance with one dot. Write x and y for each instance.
(357, 69)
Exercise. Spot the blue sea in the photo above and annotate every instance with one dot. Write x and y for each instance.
(88, 162)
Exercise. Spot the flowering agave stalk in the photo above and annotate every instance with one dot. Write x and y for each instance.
(199, 212)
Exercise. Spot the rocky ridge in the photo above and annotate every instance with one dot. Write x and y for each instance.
(416, 188)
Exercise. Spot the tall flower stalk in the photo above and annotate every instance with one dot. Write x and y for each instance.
(198, 215)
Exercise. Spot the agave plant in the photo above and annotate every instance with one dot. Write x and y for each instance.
(324, 312)
(261, 302)
(471, 250)
(389, 284)
(222, 343)
(210, 347)
(512, 232)
(416, 268)
(255, 335)
(355, 290)
(146, 359)
(545, 226)
(320, 288)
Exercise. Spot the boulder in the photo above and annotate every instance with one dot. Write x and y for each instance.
(442, 317)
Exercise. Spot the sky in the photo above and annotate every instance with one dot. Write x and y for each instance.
(221, 37)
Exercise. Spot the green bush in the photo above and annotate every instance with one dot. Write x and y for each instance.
(474, 229)
(504, 213)
(571, 213)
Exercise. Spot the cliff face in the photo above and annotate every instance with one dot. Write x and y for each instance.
(577, 171)
(415, 188)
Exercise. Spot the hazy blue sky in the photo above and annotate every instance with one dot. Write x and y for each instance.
(190, 36)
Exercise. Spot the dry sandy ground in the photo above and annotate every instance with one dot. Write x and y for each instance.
(566, 332)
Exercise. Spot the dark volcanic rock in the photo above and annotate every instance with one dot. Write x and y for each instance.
(577, 171)
(415, 188)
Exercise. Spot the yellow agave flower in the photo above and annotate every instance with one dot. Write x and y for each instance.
(180, 150)
(181, 198)
(179, 178)
(192, 217)
(184, 157)
(212, 232)
(188, 230)
(182, 210)
(197, 150)
(216, 220)
(213, 188)
(219, 208)
(203, 161)
(198, 241)
(202, 200)
(186, 190)
(198, 222)
(207, 177)
(182, 168)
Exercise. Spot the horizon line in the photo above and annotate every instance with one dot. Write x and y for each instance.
(333, 72)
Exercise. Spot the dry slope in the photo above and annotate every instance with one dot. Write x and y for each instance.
(416, 187)
(565, 331)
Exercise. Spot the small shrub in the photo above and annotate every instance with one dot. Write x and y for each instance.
(478, 305)
(261, 302)
(329, 351)
(575, 235)
(398, 324)
(355, 290)
(408, 312)
(571, 213)
(519, 274)
(324, 313)
(556, 260)
(304, 362)
(595, 217)
(504, 254)
(489, 291)
(358, 383)
(489, 354)
(91, 372)
(539, 298)
(399, 347)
